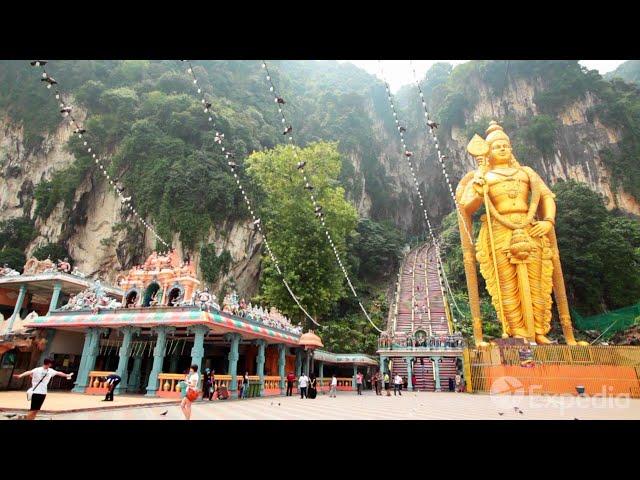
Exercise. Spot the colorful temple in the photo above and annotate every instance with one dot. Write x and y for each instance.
(150, 329)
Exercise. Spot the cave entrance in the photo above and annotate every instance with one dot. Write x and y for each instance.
(151, 290)
(174, 296)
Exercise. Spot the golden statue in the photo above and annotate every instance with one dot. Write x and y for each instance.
(517, 240)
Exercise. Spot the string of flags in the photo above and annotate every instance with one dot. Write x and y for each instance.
(408, 154)
(257, 224)
(431, 126)
(66, 110)
(288, 130)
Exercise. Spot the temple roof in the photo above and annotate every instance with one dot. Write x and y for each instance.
(170, 316)
(46, 281)
(310, 339)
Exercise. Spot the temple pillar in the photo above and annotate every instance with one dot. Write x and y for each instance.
(354, 384)
(234, 338)
(282, 362)
(409, 372)
(197, 351)
(321, 372)
(158, 360)
(53, 304)
(382, 360)
(88, 360)
(299, 354)
(308, 354)
(260, 363)
(135, 378)
(17, 307)
(436, 372)
(123, 360)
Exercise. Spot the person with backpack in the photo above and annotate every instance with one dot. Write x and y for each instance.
(40, 378)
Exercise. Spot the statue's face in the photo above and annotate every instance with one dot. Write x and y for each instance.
(501, 151)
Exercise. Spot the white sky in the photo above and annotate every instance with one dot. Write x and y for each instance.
(399, 73)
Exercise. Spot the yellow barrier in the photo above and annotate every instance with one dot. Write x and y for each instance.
(555, 369)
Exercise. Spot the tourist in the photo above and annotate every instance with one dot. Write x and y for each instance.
(245, 385)
(290, 379)
(191, 391)
(413, 381)
(205, 383)
(212, 384)
(359, 382)
(386, 383)
(452, 384)
(397, 385)
(334, 386)
(458, 382)
(313, 391)
(40, 378)
(111, 382)
(303, 382)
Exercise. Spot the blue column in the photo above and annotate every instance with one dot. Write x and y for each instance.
(53, 304)
(308, 362)
(158, 359)
(282, 361)
(409, 373)
(88, 360)
(260, 363)
(321, 366)
(197, 352)
(234, 338)
(353, 380)
(436, 372)
(123, 360)
(18, 306)
(135, 378)
(299, 354)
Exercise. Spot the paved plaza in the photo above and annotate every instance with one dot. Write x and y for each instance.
(349, 406)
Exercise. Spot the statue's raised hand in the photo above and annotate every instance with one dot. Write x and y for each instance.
(541, 228)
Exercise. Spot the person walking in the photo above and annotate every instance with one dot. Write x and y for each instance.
(191, 391)
(40, 378)
(413, 381)
(312, 386)
(206, 383)
(397, 385)
(334, 386)
(212, 384)
(376, 382)
(458, 382)
(245, 385)
(111, 382)
(303, 383)
(290, 379)
(359, 382)
(386, 383)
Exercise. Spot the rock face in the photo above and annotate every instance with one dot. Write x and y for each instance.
(99, 250)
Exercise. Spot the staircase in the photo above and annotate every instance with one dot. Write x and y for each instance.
(421, 306)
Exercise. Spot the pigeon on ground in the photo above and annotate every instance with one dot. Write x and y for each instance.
(165, 412)
(278, 403)
(10, 415)
(500, 413)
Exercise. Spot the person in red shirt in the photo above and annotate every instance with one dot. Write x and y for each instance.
(290, 379)
(413, 380)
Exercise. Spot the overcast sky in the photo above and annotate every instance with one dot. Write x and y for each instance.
(399, 73)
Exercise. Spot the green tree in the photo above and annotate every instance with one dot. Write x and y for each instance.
(54, 251)
(17, 233)
(296, 237)
(13, 257)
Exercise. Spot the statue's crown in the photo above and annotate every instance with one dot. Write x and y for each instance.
(495, 132)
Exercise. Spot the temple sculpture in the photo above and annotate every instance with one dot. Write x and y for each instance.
(516, 247)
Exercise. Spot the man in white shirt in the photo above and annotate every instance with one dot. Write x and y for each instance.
(397, 384)
(334, 386)
(303, 382)
(40, 378)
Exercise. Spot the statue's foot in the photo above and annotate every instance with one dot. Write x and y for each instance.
(542, 340)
